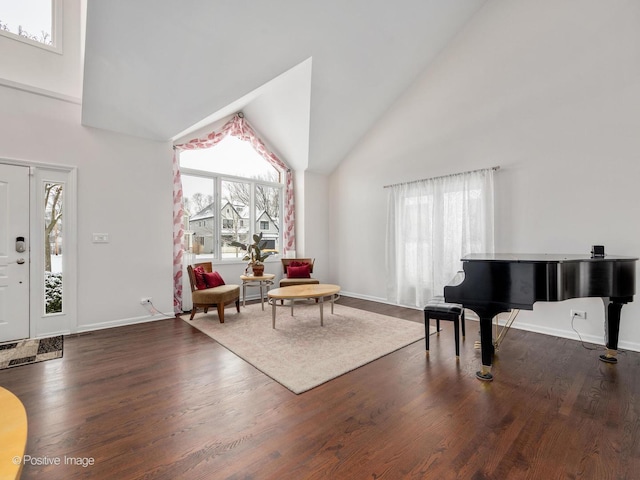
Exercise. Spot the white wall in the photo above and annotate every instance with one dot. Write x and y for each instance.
(124, 184)
(313, 234)
(124, 189)
(58, 72)
(550, 91)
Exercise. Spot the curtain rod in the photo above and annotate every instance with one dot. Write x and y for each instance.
(442, 176)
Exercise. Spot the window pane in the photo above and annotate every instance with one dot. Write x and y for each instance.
(267, 211)
(53, 203)
(198, 203)
(231, 156)
(27, 18)
(236, 199)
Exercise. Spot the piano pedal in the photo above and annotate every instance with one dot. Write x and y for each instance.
(606, 359)
(478, 345)
(485, 374)
(610, 356)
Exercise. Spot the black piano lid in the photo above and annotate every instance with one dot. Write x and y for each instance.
(541, 257)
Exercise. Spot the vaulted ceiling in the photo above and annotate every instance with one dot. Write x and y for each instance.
(311, 76)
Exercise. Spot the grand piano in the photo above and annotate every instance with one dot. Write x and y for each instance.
(494, 283)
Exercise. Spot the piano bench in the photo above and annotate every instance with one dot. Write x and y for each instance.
(438, 309)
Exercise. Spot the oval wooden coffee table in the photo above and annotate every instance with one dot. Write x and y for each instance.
(296, 292)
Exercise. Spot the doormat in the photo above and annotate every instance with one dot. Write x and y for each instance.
(24, 352)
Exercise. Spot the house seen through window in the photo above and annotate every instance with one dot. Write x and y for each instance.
(229, 193)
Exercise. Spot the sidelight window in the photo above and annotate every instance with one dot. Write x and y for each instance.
(53, 247)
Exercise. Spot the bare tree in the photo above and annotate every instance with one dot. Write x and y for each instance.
(197, 203)
(236, 193)
(267, 198)
(53, 216)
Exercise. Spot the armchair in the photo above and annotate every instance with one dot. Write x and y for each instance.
(299, 275)
(217, 296)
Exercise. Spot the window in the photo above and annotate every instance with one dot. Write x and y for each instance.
(53, 210)
(29, 21)
(231, 157)
(230, 187)
(198, 205)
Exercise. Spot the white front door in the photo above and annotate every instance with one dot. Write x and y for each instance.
(14, 264)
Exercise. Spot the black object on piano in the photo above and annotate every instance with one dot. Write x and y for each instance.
(597, 251)
(496, 283)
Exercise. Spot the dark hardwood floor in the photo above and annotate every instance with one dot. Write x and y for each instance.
(163, 401)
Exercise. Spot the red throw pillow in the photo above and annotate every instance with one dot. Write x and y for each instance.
(213, 279)
(302, 271)
(198, 272)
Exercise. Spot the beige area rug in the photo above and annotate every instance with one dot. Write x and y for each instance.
(299, 353)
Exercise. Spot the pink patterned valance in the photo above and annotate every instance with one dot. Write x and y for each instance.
(238, 127)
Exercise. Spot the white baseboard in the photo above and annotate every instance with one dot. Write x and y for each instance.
(561, 333)
(374, 299)
(123, 322)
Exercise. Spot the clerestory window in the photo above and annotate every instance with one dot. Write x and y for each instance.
(32, 21)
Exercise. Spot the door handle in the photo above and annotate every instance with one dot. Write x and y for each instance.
(20, 261)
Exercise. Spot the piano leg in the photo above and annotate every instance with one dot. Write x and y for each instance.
(612, 311)
(487, 349)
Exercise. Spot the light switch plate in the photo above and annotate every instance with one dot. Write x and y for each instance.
(100, 238)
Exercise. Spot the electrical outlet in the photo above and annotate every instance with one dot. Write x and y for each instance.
(579, 314)
(145, 300)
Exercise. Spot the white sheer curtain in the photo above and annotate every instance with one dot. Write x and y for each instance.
(431, 225)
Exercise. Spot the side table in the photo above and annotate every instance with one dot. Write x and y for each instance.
(263, 282)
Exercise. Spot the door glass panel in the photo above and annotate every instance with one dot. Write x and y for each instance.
(235, 217)
(53, 247)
